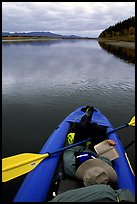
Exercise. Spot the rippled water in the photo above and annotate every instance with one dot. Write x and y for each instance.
(42, 82)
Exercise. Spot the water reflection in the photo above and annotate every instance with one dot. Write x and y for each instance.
(127, 54)
(32, 42)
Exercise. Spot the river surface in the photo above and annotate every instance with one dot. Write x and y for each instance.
(42, 82)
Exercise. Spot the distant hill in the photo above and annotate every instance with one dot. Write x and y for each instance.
(121, 30)
(38, 34)
(26, 34)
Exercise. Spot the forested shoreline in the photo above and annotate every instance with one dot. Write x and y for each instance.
(123, 30)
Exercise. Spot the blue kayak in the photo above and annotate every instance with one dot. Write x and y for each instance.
(38, 184)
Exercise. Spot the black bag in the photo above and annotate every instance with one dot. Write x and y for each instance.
(85, 130)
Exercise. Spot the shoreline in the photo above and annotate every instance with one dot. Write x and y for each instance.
(124, 44)
(28, 39)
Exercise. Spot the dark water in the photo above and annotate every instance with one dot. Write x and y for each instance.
(42, 82)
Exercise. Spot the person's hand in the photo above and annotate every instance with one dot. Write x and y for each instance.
(111, 143)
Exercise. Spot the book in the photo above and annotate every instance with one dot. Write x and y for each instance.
(106, 150)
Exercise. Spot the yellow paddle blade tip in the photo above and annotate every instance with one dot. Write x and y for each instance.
(132, 122)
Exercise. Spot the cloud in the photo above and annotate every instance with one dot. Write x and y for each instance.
(82, 18)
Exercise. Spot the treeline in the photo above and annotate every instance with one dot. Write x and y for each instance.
(124, 28)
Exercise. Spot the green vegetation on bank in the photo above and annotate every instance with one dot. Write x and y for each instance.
(122, 31)
(26, 38)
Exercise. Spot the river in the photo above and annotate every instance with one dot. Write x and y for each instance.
(42, 82)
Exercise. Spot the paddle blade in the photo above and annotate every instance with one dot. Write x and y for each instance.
(18, 165)
(132, 122)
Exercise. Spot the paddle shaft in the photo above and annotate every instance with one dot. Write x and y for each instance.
(70, 146)
(118, 128)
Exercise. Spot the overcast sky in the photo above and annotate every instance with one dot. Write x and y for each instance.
(78, 18)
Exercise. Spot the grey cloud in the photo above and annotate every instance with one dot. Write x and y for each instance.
(73, 17)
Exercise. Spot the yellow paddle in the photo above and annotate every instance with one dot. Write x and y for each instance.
(20, 164)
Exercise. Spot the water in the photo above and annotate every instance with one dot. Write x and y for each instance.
(42, 82)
